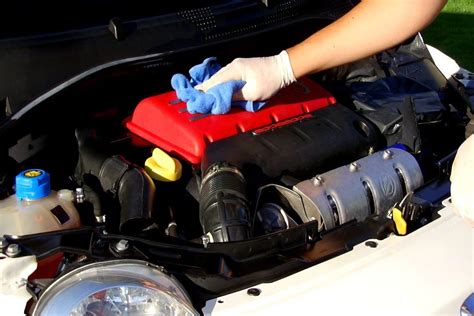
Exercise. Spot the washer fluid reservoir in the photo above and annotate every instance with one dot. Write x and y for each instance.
(35, 208)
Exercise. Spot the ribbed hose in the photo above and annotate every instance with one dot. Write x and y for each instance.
(223, 211)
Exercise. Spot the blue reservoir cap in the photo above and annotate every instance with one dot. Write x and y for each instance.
(32, 184)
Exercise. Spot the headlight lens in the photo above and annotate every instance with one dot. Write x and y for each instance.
(119, 287)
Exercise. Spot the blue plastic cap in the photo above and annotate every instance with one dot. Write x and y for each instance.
(32, 184)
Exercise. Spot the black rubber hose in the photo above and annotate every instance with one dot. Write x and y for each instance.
(92, 197)
(91, 156)
(223, 210)
(136, 196)
(132, 186)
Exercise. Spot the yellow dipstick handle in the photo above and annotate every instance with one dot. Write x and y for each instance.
(162, 167)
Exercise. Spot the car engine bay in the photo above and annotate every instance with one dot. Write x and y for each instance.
(223, 202)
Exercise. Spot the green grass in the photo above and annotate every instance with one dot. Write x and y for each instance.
(453, 32)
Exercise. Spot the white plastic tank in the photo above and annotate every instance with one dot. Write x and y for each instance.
(35, 208)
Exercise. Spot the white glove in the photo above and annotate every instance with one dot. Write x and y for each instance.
(462, 176)
(264, 76)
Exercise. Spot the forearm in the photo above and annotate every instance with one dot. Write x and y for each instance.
(370, 27)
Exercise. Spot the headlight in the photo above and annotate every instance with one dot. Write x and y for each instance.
(119, 287)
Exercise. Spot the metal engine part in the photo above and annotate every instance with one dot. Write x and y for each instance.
(274, 218)
(371, 185)
(274, 207)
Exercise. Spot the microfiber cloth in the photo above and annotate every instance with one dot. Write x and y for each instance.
(218, 99)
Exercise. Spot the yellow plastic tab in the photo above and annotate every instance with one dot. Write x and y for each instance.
(162, 167)
(400, 222)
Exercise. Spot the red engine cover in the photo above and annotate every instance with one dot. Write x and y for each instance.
(164, 121)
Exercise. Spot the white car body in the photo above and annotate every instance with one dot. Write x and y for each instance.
(428, 272)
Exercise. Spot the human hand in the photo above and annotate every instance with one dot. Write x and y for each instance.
(263, 76)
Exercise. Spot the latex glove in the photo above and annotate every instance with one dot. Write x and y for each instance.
(462, 175)
(263, 76)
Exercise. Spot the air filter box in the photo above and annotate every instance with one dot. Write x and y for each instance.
(164, 121)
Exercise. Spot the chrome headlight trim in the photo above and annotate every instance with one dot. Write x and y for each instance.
(68, 291)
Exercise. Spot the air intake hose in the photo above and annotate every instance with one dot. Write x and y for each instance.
(224, 211)
(130, 184)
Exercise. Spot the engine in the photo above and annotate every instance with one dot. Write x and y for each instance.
(302, 158)
(303, 146)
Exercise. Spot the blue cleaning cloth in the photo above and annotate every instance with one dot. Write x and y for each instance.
(218, 99)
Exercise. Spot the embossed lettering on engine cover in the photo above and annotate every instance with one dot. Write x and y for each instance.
(271, 127)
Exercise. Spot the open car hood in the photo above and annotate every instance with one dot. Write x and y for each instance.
(82, 35)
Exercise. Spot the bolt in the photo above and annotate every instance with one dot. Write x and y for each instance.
(80, 196)
(3, 243)
(371, 150)
(387, 154)
(371, 244)
(205, 240)
(21, 283)
(13, 250)
(395, 128)
(100, 219)
(122, 245)
(254, 291)
(354, 167)
(171, 229)
(318, 181)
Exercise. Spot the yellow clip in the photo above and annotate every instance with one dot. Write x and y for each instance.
(400, 222)
(160, 166)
